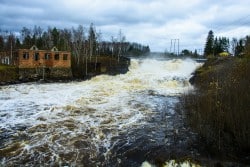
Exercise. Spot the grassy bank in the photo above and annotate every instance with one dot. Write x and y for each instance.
(219, 107)
(8, 73)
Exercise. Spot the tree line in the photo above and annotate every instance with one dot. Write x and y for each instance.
(216, 45)
(85, 44)
(86, 40)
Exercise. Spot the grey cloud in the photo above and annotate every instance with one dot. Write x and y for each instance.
(152, 22)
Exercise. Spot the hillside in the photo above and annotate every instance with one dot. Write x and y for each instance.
(219, 109)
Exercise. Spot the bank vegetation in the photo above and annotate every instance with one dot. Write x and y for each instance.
(218, 109)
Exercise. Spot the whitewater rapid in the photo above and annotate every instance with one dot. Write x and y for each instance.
(85, 122)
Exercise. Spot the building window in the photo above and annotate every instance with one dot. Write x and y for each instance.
(36, 56)
(25, 55)
(6, 60)
(65, 57)
(47, 56)
(57, 56)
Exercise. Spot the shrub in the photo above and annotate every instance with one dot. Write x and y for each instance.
(8, 73)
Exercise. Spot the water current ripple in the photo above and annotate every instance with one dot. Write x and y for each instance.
(106, 121)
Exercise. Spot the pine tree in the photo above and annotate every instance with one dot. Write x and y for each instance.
(217, 46)
(209, 48)
(55, 36)
(247, 46)
(239, 48)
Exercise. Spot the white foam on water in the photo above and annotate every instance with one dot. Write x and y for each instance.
(61, 115)
(172, 163)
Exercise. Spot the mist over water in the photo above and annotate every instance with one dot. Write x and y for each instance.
(105, 121)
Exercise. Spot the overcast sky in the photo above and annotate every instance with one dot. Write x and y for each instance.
(150, 22)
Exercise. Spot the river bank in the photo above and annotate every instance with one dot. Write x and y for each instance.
(97, 66)
(8, 74)
(218, 109)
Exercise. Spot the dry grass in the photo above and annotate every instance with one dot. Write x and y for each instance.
(219, 108)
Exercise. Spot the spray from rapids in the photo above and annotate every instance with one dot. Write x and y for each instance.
(81, 122)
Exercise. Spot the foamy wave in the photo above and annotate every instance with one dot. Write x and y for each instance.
(80, 122)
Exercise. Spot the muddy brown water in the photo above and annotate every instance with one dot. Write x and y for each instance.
(120, 120)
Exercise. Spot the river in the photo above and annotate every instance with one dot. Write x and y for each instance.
(121, 120)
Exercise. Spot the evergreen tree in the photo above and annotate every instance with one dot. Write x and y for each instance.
(55, 36)
(39, 43)
(195, 53)
(221, 45)
(18, 44)
(239, 48)
(26, 38)
(209, 48)
(1, 43)
(217, 46)
(224, 44)
(247, 47)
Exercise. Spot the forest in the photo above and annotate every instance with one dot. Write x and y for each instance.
(83, 43)
(214, 46)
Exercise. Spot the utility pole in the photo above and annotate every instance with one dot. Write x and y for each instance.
(171, 46)
(174, 45)
(173, 42)
(178, 47)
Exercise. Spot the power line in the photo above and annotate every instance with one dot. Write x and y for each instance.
(242, 21)
(239, 20)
